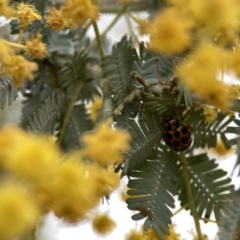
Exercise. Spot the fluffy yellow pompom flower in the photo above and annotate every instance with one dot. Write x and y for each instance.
(94, 108)
(6, 51)
(29, 157)
(151, 234)
(106, 181)
(200, 72)
(134, 235)
(221, 150)
(235, 61)
(18, 213)
(5, 10)
(80, 10)
(18, 68)
(26, 14)
(234, 91)
(35, 48)
(169, 34)
(74, 192)
(106, 145)
(216, 15)
(103, 224)
(56, 21)
(210, 114)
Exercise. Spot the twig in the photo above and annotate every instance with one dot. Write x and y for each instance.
(98, 38)
(209, 220)
(129, 24)
(190, 196)
(67, 116)
(179, 210)
(120, 13)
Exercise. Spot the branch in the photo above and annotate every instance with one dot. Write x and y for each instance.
(190, 196)
(76, 92)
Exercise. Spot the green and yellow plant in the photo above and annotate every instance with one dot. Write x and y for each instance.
(90, 113)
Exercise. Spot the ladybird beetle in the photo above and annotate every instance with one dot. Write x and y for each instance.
(177, 134)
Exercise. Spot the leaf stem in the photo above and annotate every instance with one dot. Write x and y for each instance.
(209, 220)
(67, 116)
(16, 45)
(190, 196)
(128, 99)
(120, 13)
(179, 210)
(33, 233)
(20, 36)
(130, 28)
(98, 38)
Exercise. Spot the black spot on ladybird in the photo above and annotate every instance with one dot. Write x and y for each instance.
(184, 140)
(176, 143)
(176, 134)
(168, 136)
(184, 129)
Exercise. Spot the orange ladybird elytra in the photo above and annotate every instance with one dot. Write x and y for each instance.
(177, 134)
(145, 211)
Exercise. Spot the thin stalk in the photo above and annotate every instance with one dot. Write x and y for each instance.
(16, 45)
(114, 21)
(20, 36)
(190, 196)
(130, 28)
(33, 234)
(209, 220)
(179, 210)
(67, 116)
(128, 99)
(136, 20)
(52, 74)
(98, 38)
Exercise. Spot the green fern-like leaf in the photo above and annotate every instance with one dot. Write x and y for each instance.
(149, 70)
(44, 119)
(130, 111)
(36, 93)
(235, 141)
(184, 93)
(230, 222)
(8, 92)
(151, 190)
(74, 70)
(79, 123)
(165, 64)
(210, 186)
(145, 136)
(206, 134)
(117, 68)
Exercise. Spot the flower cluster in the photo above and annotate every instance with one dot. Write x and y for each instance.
(80, 10)
(5, 10)
(49, 181)
(106, 145)
(103, 224)
(26, 14)
(55, 20)
(206, 29)
(152, 235)
(18, 68)
(210, 114)
(211, 60)
(35, 48)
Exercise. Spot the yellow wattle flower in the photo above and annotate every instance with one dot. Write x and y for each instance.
(103, 224)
